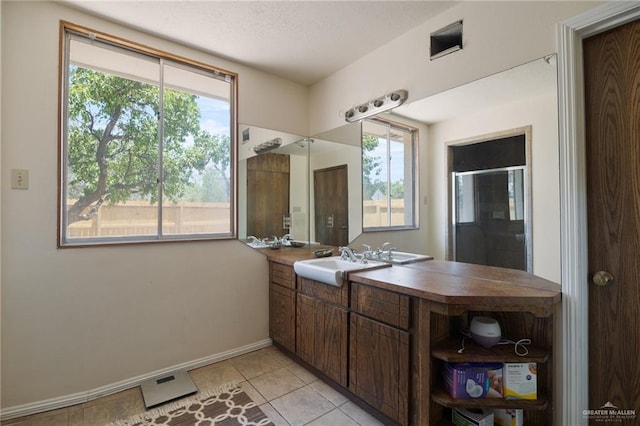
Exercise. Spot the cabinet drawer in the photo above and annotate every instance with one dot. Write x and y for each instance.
(282, 274)
(382, 305)
(328, 293)
(282, 308)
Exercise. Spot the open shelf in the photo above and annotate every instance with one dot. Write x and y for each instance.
(447, 350)
(443, 398)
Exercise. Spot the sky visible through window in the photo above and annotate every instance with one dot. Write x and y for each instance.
(397, 152)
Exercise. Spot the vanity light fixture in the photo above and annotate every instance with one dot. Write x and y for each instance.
(267, 146)
(376, 106)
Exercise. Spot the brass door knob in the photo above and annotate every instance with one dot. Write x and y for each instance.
(602, 278)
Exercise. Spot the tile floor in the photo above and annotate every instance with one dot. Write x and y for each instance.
(285, 391)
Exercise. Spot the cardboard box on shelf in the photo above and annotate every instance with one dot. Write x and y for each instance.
(520, 380)
(473, 379)
(462, 417)
(507, 416)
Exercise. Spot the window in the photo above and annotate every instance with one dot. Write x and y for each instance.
(388, 175)
(147, 144)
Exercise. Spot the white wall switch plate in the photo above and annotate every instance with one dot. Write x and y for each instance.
(19, 179)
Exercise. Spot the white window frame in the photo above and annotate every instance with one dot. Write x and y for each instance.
(411, 178)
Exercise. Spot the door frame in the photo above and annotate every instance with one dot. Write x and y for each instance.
(574, 370)
(528, 194)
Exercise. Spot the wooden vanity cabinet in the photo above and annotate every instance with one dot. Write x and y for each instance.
(282, 305)
(387, 348)
(321, 327)
(446, 342)
(379, 352)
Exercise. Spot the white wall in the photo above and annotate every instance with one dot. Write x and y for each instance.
(496, 36)
(541, 114)
(75, 320)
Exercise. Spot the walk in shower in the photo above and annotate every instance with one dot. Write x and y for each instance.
(490, 204)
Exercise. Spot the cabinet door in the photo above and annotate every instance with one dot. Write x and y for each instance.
(331, 341)
(282, 308)
(306, 328)
(321, 336)
(379, 366)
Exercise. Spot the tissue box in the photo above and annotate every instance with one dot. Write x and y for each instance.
(507, 416)
(462, 417)
(520, 380)
(473, 380)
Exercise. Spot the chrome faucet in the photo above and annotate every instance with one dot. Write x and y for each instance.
(286, 239)
(347, 253)
(367, 253)
(388, 248)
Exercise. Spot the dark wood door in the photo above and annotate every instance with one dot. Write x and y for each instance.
(331, 203)
(379, 366)
(612, 116)
(267, 194)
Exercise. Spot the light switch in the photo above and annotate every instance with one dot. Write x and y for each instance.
(19, 179)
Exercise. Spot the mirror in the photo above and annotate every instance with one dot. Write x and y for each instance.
(277, 172)
(452, 115)
(518, 101)
(272, 184)
(335, 160)
(526, 81)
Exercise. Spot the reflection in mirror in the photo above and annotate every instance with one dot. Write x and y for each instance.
(516, 98)
(335, 161)
(522, 102)
(490, 212)
(272, 185)
(388, 158)
(309, 188)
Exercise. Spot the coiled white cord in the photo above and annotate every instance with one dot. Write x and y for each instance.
(520, 347)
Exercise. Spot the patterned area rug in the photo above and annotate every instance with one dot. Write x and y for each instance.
(228, 407)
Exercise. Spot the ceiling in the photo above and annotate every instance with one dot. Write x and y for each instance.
(302, 41)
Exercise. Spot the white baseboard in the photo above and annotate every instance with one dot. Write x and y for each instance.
(82, 397)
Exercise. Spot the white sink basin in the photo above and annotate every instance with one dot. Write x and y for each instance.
(401, 258)
(332, 270)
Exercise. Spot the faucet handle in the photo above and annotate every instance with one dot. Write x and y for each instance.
(343, 252)
(367, 253)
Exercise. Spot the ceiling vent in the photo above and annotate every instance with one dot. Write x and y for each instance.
(446, 40)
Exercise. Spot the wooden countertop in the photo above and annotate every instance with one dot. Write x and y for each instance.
(453, 283)
(289, 255)
(449, 283)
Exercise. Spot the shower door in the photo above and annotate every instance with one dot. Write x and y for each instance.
(490, 217)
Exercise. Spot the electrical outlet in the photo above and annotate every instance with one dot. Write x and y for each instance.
(19, 179)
